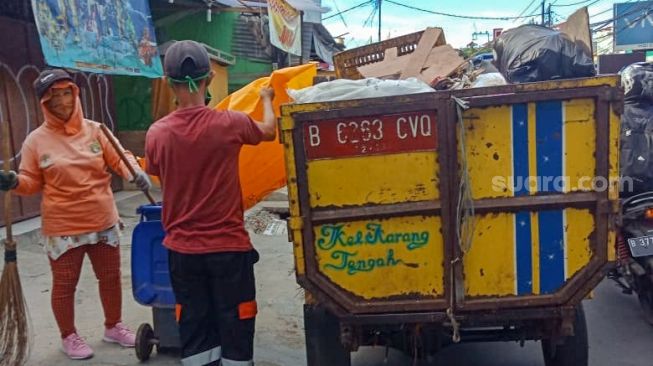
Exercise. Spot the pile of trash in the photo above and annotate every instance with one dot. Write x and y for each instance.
(636, 158)
(422, 62)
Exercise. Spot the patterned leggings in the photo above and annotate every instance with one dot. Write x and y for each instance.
(65, 276)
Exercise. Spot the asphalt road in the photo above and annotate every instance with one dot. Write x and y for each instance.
(619, 336)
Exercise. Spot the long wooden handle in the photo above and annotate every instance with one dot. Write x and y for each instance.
(124, 159)
(6, 165)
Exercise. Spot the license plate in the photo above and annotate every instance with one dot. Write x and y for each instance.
(371, 135)
(642, 246)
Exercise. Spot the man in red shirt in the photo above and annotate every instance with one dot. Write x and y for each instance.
(194, 151)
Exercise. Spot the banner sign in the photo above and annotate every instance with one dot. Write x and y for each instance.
(633, 26)
(285, 26)
(107, 37)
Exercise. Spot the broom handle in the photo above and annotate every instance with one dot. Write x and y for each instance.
(6, 156)
(124, 159)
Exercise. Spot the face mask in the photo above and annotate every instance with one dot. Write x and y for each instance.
(192, 82)
(207, 97)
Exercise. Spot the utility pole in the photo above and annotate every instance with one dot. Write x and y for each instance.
(380, 2)
(543, 7)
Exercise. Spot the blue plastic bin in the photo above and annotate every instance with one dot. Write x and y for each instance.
(151, 284)
(150, 277)
(149, 212)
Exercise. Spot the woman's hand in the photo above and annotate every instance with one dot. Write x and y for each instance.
(142, 181)
(8, 180)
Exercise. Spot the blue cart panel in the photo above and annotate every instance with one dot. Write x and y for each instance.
(150, 276)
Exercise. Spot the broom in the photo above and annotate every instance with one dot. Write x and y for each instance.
(124, 159)
(14, 322)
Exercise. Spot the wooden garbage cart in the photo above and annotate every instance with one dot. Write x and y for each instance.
(474, 215)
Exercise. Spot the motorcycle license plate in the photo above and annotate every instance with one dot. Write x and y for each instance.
(642, 246)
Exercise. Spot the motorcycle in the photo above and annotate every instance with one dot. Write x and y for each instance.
(634, 249)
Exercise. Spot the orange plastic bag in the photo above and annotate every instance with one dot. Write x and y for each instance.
(262, 167)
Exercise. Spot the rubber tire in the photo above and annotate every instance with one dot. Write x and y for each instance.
(144, 345)
(323, 346)
(574, 350)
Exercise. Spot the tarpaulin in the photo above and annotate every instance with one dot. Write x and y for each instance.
(262, 168)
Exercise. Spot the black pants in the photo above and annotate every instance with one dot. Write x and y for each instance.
(217, 295)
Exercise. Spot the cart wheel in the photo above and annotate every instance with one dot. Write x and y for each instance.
(323, 347)
(574, 350)
(144, 344)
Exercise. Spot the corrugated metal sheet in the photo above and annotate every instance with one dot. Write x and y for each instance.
(309, 31)
(251, 40)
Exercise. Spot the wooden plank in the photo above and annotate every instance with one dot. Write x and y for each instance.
(443, 61)
(391, 65)
(431, 38)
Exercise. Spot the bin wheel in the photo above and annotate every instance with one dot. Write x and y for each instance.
(144, 344)
(323, 346)
(573, 350)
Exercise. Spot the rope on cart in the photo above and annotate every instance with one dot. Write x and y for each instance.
(454, 325)
(465, 223)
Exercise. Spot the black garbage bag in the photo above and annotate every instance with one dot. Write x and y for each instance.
(531, 53)
(637, 81)
(636, 158)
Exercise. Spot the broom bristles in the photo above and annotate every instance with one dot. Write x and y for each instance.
(14, 319)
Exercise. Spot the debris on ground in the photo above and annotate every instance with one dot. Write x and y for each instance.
(263, 222)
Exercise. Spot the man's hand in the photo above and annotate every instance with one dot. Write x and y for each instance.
(8, 180)
(267, 93)
(269, 125)
(142, 181)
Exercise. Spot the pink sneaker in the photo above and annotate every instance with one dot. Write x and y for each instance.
(120, 334)
(75, 347)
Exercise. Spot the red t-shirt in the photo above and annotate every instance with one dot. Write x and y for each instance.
(194, 151)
